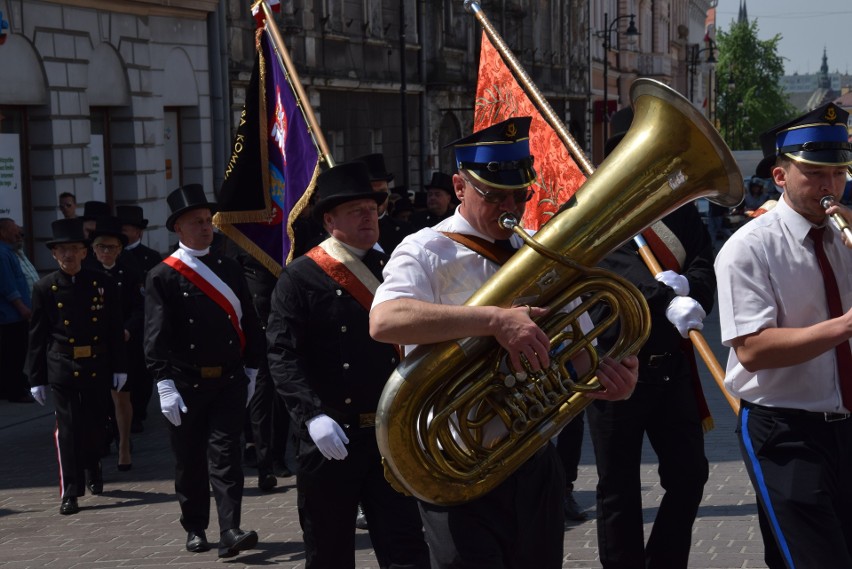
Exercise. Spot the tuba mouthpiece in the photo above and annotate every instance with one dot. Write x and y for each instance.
(508, 221)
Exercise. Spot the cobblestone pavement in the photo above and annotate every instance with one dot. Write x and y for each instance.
(134, 523)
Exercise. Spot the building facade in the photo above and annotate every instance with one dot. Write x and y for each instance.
(125, 100)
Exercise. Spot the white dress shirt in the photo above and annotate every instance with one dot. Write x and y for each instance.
(768, 277)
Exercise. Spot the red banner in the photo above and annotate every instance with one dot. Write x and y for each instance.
(498, 97)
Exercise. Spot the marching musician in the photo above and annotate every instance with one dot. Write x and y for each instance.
(785, 292)
(331, 375)
(203, 346)
(430, 275)
(668, 403)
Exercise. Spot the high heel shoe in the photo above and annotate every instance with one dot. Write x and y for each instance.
(125, 467)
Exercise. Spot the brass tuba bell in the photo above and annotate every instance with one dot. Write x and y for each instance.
(440, 409)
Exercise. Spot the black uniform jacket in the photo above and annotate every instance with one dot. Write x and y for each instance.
(392, 232)
(143, 257)
(82, 312)
(185, 330)
(321, 355)
(425, 218)
(661, 358)
(129, 283)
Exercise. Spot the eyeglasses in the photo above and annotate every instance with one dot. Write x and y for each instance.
(106, 248)
(497, 197)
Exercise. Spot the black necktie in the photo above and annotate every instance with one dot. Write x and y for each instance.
(835, 309)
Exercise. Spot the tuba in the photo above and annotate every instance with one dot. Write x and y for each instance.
(454, 420)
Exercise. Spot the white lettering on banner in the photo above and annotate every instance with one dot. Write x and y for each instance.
(11, 190)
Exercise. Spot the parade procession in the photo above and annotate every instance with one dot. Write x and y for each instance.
(433, 285)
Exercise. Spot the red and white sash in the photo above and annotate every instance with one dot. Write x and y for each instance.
(211, 285)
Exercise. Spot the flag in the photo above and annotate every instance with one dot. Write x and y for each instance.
(273, 166)
(257, 12)
(498, 97)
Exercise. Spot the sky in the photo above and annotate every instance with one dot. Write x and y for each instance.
(806, 28)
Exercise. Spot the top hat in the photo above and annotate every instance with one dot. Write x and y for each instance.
(67, 231)
(94, 209)
(184, 199)
(818, 137)
(344, 183)
(402, 204)
(441, 181)
(108, 226)
(498, 155)
(767, 145)
(376, 166)
(620, 123)
(131, 215)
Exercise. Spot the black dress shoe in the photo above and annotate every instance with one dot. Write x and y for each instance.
(196, 542)
(125, 467)
(266, 481)
(573, 511)
(95, 480)
(360, 518)
(69, 506)
(233, 541)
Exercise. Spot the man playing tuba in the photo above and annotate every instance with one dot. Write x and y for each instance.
(429, 277)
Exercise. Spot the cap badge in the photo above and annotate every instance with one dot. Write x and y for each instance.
(511, 130)
(831, 114)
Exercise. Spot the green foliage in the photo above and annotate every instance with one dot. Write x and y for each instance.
(750, 99)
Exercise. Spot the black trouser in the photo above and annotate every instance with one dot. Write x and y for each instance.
(80, 434)
(569, 446)
(518, 525)
(669, 415)
(329, 493)
(207, 453)
(139, 382)
(801, 469)
(13, 354)
(265, 417)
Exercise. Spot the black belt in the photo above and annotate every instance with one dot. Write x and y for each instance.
(826, 416)
(79, 352)
(204, 372)
(360, 420)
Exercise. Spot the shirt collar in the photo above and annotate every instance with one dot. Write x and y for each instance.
(194, 252)
(799, 226)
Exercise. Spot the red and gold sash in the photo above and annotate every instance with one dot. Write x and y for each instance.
(671, 254)
(348, 271)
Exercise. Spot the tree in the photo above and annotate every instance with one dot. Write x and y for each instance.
(750, 99)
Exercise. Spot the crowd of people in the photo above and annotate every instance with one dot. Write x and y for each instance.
(293, 367)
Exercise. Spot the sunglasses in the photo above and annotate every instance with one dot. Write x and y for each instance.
(497, 197)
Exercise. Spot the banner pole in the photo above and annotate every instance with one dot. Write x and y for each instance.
(302, 100)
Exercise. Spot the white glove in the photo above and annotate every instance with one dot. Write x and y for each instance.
(328, 436)
(251, 374)
(39, 393)
(171, 403)
(118, 380)
(676, 281)
(686, 314)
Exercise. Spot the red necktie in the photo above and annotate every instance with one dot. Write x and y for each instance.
(835, 309)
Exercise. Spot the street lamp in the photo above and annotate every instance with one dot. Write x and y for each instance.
(606, 35)
(692, 63)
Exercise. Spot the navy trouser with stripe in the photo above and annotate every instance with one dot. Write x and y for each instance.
(801, 469)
